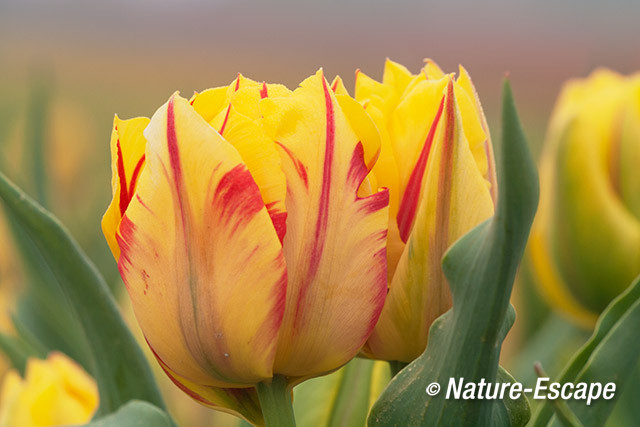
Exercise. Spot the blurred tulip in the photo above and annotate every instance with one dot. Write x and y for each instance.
(241, 238)
(436, 159)
(54, 392)
(585, 243)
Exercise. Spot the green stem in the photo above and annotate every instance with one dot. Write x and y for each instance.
(275, 401)
(396, 366)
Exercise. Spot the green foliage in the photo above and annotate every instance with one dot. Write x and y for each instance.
(610, 355)
(134, 414)
(112, 355)
(342, 398)
(465, 342)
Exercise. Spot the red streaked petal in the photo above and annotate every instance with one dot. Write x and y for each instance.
(200, 257)
(335, 241)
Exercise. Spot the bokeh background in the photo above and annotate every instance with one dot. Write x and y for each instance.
(66, 67)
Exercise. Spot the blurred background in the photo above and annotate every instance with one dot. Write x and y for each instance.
(66, 67)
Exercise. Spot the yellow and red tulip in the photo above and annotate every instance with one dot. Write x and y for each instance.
(54, 392)
(246, 243)
(437, 161)
(585, 243)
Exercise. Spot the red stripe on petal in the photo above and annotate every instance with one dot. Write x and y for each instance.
(375, 202)
(325, 192)
(238, 196)
(316, 250)
(279, 219)
(300, 167)
(411, 196)
(357, 168)
(226, 118)
(122, 178)
(134, 176)
(172, 145)
(264, 91)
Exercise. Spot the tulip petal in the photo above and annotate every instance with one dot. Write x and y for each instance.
(412, 128)
(200, 257)
(335, 241)
(241, 402)
(259, 153)
(583, 197)
(379, 99)
(396, 76)
(127, 161)
(234, 112)
(432, 70)
(490, 175)
(455, 200)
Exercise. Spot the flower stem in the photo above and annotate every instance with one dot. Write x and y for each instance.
(275, 401)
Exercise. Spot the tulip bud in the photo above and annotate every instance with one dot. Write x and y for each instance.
(240, 233)
(54, 392)
(585, 243)
(437, 161)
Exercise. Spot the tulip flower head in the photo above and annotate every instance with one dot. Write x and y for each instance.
(54, 392)
(243, 238)
(585, 242)
(437, 161)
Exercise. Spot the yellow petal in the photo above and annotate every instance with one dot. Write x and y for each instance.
(337, 86)
(210, 102)
(396, 76)
(55, 391)
(464, 80)
(432, 70)
(331, 306)
(455, 200)
(200, 257)
(127, 161)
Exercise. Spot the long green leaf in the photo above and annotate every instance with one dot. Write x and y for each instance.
(134, 414)
(342, 398)
(43, 311)
(465, 342)
(116, 360)
(17, 351)
(610, 355)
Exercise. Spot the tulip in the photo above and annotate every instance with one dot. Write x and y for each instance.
(585, 242)
(436, 159)
(241, 237)
(54, 392)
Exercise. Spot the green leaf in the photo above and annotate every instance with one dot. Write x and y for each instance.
(342, 398)
(43, 312)
(134, 414)
(17, 351)
(610, 355)
(36, 133)
(114, 358)
(465, 342)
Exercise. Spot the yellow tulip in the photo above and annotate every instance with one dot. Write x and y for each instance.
(54, 392)
(585, 242)
(437, 161)
(241, 236)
